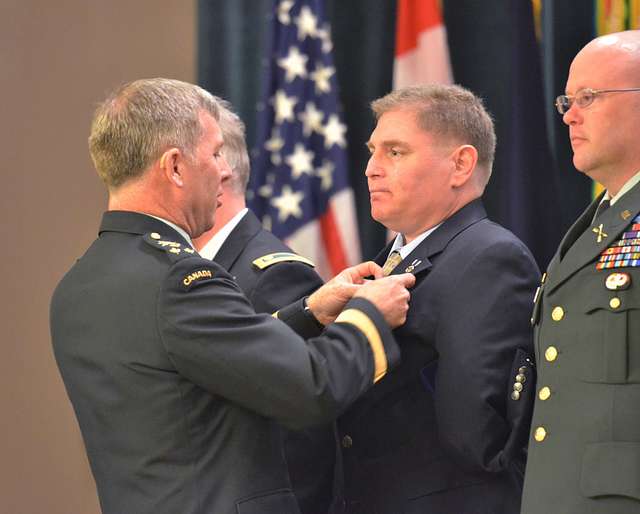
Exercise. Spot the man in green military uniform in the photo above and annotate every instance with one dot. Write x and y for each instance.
(584, 451)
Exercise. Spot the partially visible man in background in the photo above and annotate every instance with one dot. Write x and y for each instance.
(584, 450)
(271, 276)
(268, 272)
(175, 380)
(445, 433)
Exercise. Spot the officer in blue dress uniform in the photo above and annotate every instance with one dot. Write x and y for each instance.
(445, 432)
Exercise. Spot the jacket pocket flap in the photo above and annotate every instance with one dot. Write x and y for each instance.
(603, 299)
(611, 469)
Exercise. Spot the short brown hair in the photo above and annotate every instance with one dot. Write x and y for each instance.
(142, 119)
(447, 111)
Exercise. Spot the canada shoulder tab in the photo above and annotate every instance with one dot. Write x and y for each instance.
(274, 258)
(197, 276)
(173, 249)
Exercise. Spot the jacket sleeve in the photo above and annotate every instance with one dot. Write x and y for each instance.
(217, 341)
(479, 347)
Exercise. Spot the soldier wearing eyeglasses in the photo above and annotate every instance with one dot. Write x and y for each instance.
(584, 449)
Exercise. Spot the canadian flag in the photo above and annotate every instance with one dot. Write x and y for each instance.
(422, 53)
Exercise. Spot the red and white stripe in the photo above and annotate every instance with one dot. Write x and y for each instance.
(422, 52)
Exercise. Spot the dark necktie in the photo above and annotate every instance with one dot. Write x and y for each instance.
(604, 205)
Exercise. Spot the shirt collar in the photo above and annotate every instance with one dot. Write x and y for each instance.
(406, 249)
(625, 189)
(175, 227)
(211, 249)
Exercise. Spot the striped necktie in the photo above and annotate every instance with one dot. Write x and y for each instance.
(392, 261)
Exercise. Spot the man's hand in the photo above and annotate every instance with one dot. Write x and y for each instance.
(327, 302)
(390, 296)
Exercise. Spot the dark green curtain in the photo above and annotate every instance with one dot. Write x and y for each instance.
(534, 189)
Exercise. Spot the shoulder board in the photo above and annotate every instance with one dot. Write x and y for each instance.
(274, 258)
(175, 250)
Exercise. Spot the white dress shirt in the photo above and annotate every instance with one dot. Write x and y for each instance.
(211, 249)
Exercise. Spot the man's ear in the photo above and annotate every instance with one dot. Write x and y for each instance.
(171, 166)
(465, 158)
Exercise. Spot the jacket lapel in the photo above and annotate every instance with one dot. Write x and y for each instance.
(237, 240)
(586, 240)
(418, 261)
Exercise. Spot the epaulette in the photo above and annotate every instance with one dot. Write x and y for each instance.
(175, 250)
(273, 258)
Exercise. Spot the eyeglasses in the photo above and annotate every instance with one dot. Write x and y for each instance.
(585, 97)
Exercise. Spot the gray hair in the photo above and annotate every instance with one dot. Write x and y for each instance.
(141, 120)
(235, 146)
(451, 112)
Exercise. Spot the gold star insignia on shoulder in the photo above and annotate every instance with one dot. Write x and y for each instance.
(599, 231)
(625, 215)
(189, 250)
(175, 250)
(155, 235)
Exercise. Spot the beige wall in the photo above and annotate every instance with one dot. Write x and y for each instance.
(58, 58)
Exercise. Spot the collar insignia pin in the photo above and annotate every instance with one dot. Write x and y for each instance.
(412, 266)
(599, 231)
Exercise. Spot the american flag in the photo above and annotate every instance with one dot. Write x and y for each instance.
(299, 186)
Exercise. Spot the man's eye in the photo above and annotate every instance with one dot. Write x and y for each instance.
(394, 153)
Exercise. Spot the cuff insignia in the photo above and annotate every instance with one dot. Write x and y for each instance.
(363, 323)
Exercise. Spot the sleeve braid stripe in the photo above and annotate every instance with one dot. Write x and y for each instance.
(363, 323)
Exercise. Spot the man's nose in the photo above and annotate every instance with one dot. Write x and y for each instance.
(372, 169)
(573, 115)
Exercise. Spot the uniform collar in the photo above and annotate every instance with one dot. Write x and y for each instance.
(138, 223)
(628, 186)
(175, 227)
(419, 259)
(211, 249)
(585, 240)
(406, 249)
(238, 239)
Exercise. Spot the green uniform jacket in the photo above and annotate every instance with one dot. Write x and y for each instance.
(584, 450)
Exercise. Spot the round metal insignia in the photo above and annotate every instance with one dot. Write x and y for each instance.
(617, 281)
